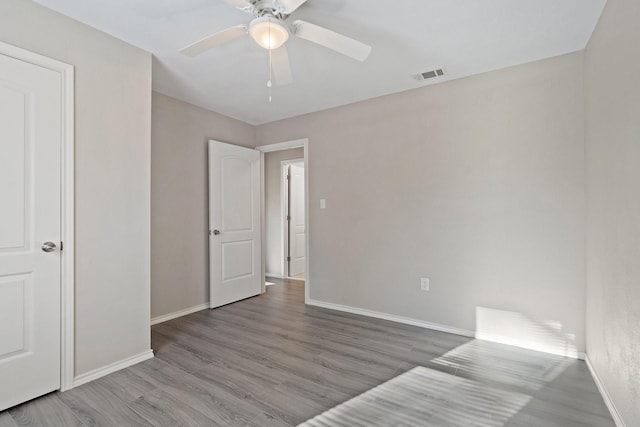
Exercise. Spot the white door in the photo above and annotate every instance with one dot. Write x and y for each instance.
(30, 150)
(297, 223)
(234, 223)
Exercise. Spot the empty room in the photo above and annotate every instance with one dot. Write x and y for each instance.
(320, 213)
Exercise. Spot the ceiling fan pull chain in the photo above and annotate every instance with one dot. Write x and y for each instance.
(269, 83)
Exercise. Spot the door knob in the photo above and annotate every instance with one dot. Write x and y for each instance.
(216, 232)
(49, 246)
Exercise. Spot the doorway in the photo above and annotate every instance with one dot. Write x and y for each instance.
(293, 217)
(276, 248)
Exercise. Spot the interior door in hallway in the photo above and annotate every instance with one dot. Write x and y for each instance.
(234, 223)
(297, 227)
(30, 227)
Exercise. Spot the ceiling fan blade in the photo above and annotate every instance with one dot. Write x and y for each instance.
(209, 42)
(240, 4)
(281, 66)
(289, 6)
(332, 40)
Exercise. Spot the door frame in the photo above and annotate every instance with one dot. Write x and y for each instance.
(296, 143)
(284, 198)
(67, 186)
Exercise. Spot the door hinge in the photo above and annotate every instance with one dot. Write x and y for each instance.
(289, 258)
(288, 217)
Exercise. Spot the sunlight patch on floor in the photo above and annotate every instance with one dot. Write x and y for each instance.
(503, 364)
(424, 396)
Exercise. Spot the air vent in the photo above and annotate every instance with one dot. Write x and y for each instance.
(438, 72)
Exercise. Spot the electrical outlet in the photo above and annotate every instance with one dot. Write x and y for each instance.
(424, 284)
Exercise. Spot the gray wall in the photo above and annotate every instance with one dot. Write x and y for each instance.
(273, 207)
(612, 70)
(112, 148)
(480, 185)
(477, 184)
(179, 197)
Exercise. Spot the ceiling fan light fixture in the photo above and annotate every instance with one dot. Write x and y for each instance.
(268, 32)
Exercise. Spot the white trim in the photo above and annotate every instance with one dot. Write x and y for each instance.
(67, 344)
(275, 276)
(393, 318)
(615, 414)
(33, 58)
(307, 223)
(67, 230)
(296, 143)
(111, 368)
(572, 354)
(263, 223)
(304, 142)
(423, 324)
(180, 313)
(284, 232)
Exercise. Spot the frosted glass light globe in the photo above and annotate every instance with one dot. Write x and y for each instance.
(268, 32)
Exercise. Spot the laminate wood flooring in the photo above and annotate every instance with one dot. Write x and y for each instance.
(272, 361)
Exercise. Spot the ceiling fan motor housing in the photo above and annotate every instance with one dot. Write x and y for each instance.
(273, 8)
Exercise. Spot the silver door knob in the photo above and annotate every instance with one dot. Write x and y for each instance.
(216, 232)
(49, 246)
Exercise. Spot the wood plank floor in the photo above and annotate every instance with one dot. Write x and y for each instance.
(272, 361)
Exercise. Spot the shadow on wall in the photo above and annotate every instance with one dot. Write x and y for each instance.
(512, 328)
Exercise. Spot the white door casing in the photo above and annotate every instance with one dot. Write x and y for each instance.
(297, 228)
(30, 192)
(303, 143)
(234, 223)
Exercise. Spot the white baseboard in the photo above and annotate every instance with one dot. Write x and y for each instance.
(280, 276)
(275, 276)
(176, 314)
(109, 369)
(571, 354)
(424, 324)
(605, 395)
(392, 317)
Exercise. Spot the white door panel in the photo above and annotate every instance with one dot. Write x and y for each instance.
(234, 212)
(30, 147)
(297, 231)
(14, 309)
(236, 208)
(237, 259)
(13, 233)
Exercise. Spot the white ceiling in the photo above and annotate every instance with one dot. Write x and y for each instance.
(408, 36)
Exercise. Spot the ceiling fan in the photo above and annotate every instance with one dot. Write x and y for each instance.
(271, 29)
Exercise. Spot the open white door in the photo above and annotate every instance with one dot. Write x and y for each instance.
(30, 227)
(297, 224)
(234, 223)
